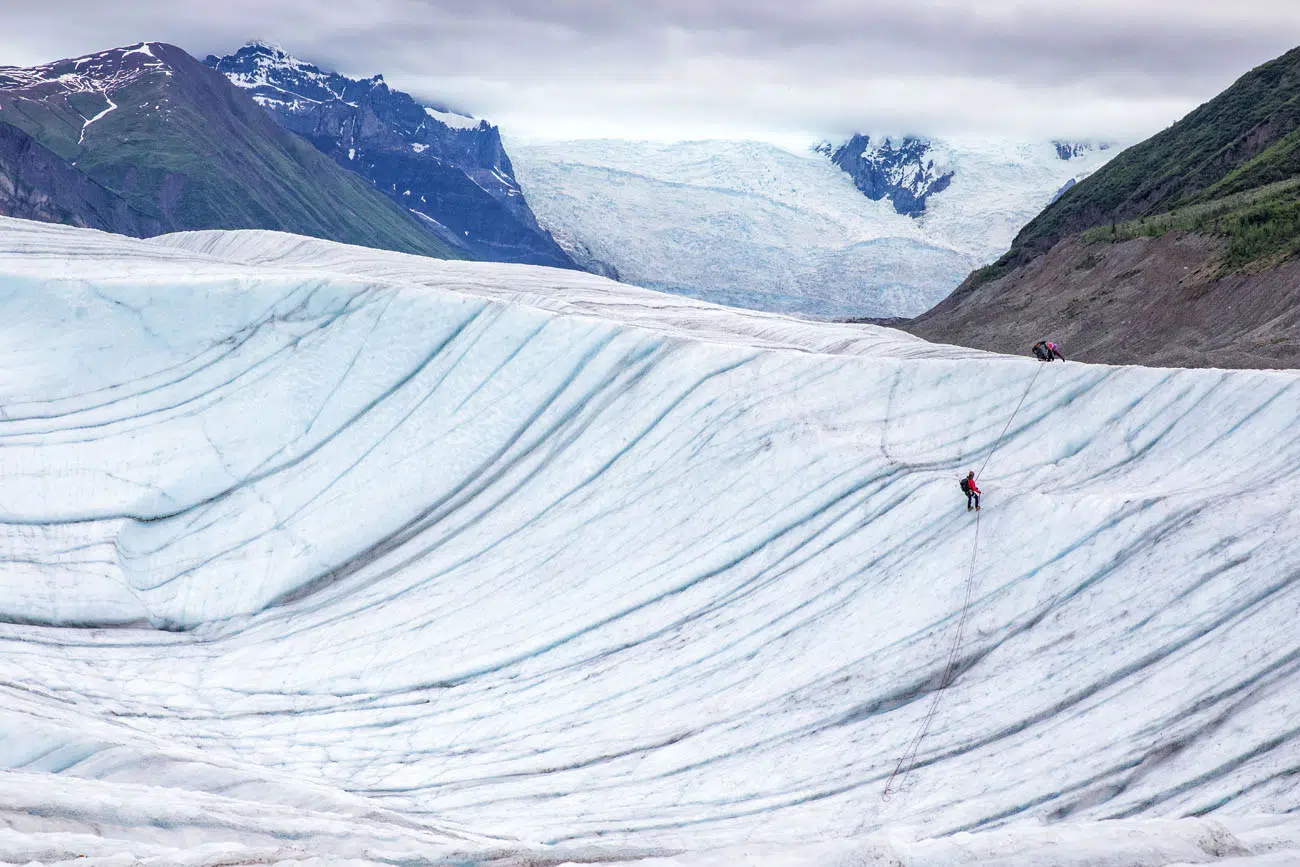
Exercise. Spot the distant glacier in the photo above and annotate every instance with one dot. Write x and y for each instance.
(754, 225)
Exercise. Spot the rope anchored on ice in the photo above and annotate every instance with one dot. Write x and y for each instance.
(908, 760)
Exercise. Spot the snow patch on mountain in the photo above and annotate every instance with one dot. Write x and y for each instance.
(103, 73)
(997, 187)
(1068, 150)
(453, 120)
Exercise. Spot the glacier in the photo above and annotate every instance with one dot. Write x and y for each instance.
(321, 554)
(754, 225)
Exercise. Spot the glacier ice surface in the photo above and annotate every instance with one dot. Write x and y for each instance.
(315, 552)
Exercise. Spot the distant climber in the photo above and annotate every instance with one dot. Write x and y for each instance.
(972, 492)
(1045, 350)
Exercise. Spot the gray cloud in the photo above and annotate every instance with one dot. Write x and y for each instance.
(673, 68)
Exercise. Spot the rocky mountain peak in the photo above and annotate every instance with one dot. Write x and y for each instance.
(279, 80)
(905, 171)
(450, 170)
(261, 46)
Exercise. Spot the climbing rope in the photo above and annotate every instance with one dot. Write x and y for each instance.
(1032, 380)
(908, 760)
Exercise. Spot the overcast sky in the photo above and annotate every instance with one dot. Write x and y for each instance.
(782, 70)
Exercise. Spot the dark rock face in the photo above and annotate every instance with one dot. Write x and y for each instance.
(36, 184)
(1068, 150)
(450, 170)
(903, 172)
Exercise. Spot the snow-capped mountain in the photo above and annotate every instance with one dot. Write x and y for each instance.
(144, 138)
(316, 554)
(449, 169)
(884, 229)
(78, 93)
(101, 74)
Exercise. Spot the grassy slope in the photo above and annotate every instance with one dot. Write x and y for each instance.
(193, 151)
(1261, 225)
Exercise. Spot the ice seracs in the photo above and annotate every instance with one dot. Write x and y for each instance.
(312, 549)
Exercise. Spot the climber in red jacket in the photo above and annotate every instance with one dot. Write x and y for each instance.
(972, 491)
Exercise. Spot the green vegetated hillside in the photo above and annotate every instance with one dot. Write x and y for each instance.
(1261, 226)
(1223, 169)
(1182, 250)
(185, 148)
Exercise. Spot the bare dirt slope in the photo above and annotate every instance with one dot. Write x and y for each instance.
(1152, 301)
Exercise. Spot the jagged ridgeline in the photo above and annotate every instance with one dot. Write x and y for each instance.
(448, 169)
(171, 145)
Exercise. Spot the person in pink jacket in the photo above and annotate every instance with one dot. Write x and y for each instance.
(1047, 351)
